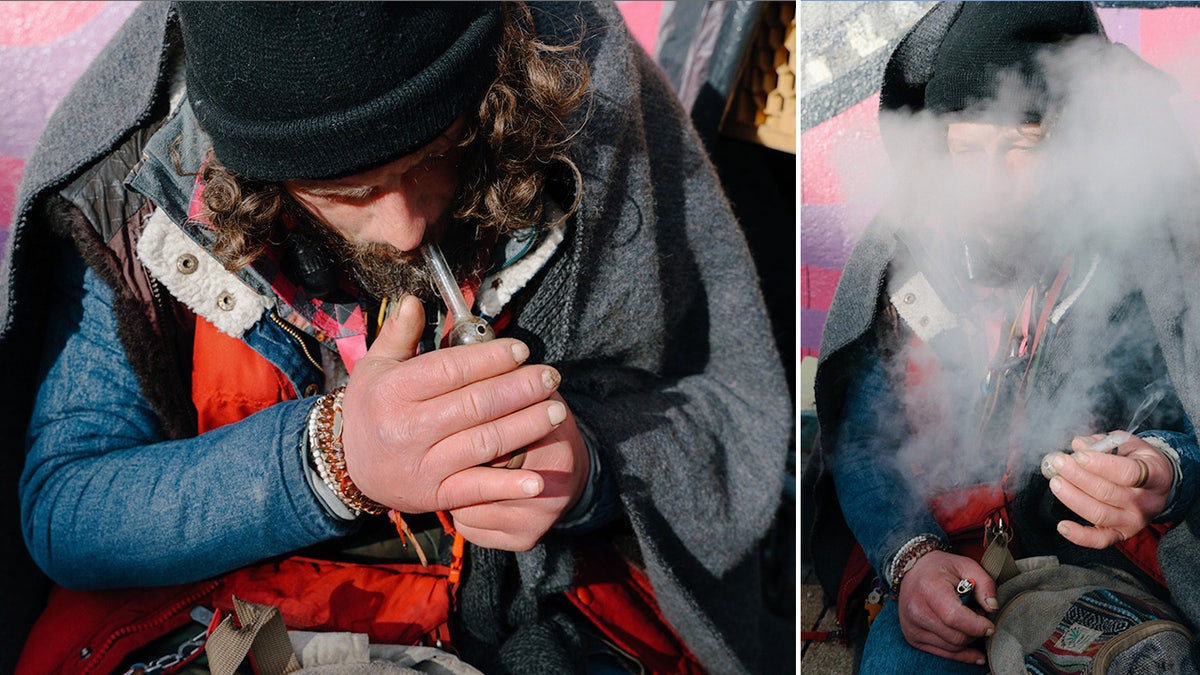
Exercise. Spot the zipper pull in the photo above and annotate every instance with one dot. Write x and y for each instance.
(201, 615)
(994, 530)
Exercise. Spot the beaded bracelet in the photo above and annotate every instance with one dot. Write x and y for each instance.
(325, 444)
(908, 555)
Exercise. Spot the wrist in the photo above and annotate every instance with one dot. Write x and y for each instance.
(599, 504)
(326, 496)
(908, 555)
(579, 511)
(1163, 445)
(328, 456)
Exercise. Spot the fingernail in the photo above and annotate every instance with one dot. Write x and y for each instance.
(550, 378)
(1055, 483)
(1048, 469)
(520, 351)
(980, 662)
(1082, 458)
(1063, 528)
(989, 632)
(991, 604)
(531, 486)
(557, 412)
(1059, 460)
(393, 307)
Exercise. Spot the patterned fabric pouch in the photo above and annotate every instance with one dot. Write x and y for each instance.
(1064, 619)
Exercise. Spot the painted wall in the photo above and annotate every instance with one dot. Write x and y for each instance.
(843, 48)
(46, 46)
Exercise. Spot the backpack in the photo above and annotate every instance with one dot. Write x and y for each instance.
(1057, 618)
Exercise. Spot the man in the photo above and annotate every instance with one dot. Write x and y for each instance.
(985, 323)
(243, 376)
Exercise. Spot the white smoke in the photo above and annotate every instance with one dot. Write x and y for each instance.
(1114, 170)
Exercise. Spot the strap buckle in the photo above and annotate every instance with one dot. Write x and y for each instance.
(996, 530)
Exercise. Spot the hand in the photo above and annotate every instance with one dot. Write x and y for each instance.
(1099, 487)
(418, 430)
(932, 616)
(561, 457)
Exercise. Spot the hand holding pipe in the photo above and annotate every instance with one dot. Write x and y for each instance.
(1112, 441)
(467, 329)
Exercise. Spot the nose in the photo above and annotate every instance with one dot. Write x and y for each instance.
(398, 216)
(992, 176)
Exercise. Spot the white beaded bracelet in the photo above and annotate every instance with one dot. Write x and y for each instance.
(907, 557)
(325, 444)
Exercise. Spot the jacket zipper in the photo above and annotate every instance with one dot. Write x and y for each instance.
(295, 334)
(98, 655)
(156, 297)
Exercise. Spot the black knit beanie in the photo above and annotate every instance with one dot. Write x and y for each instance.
(990, 38)
(327, 89)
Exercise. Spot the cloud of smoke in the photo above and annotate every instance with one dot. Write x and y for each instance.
(1113, 170)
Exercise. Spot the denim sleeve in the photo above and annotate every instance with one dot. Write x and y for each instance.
(878, 502)
(599, 504)
(1187, 471)
(107, 502)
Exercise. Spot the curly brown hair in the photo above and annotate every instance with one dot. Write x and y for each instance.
(514, 143)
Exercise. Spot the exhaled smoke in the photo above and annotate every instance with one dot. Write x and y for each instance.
(1111, 178)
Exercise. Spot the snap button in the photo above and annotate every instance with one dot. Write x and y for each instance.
(226, 301)
(187, 263)
(311, 389)
(924, 321)
(910, 298)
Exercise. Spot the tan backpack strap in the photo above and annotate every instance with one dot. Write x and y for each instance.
(261, 634)
(997, 560)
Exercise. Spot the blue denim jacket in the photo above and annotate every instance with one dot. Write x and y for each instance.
(878, 502)
(237, 494)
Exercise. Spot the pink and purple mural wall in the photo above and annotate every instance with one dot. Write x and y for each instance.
(45, 47)
(843, 48)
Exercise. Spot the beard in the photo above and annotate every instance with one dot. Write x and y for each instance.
(383, 271)
(1007, 242)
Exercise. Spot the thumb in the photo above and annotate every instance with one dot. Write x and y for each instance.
(400, 336)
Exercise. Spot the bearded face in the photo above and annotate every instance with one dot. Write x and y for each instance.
(994, 197)
(381, 270)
